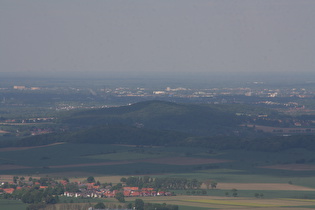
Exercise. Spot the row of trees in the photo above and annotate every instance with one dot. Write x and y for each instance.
(140, 205)
(196, 192)
(162, 183)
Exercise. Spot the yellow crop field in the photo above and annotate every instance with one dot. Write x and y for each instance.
(230, 203)
(235, 203)
(294, 199)
(102, 179)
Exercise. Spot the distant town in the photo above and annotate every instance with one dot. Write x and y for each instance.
(258, 93)
(54, 98)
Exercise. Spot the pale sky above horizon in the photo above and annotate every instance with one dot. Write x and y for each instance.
(118, 37)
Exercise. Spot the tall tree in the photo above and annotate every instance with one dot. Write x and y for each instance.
(90, 179)
(120, 197)
(139, 204)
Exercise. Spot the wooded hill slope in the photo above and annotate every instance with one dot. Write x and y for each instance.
(164, 123)
(159, 115)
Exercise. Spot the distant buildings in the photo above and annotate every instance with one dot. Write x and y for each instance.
(22, 87)
(16, 87)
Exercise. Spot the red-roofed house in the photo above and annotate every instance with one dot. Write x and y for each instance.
(127, 193)
(110, 194)
(131, 188)
(8, 190)
(147, 189)
(96, 187)
(160, 193)
(64, 182)
(90, 185)
(135, 194)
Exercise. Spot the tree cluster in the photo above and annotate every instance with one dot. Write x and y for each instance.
(196, 192)
(120, 197)
(33, 196)
(155, 206)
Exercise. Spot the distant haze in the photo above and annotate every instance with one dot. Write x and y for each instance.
(157, 38)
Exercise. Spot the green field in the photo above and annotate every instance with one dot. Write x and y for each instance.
(111, 160)
(12, 205)
(132, 155)
(108, 163)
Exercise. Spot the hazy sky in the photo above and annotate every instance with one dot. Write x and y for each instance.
(119, 37)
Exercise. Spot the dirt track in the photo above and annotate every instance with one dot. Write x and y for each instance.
(262, 186)
(7, 149)
(169, 161)
(185, 161)
(292, 167)
(12, 167)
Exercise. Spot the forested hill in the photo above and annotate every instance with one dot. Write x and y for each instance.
(188, 118)
(144, 123)
(170, 124)
(110, 134)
